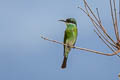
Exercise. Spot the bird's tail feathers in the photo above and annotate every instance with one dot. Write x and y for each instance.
(64, 63)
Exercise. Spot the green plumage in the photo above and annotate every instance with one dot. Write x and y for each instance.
(70, 37)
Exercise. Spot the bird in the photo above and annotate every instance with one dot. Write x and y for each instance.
(70, 37)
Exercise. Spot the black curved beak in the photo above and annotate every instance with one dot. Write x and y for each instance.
(62, 20)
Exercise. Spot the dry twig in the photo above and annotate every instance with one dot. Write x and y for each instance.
(100, 30)
(85, 49)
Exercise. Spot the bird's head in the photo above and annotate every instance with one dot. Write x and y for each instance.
(69, 20)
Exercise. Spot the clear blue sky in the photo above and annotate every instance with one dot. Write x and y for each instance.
(25, 56)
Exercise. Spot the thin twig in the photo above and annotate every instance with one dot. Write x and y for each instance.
(96, 26)
(100, 25)
(101, 34)
(114, 19)
(111, 48)
(85, 49)
(104, 41)
(98, 15)
(116, 25)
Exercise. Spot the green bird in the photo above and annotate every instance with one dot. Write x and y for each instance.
(70, 37)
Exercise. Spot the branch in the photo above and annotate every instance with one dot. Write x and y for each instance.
(89, 11)
(114, 18)
(104, 41)
(96, 25)
(84, 49)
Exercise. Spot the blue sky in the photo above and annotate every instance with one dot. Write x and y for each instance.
(25, 56)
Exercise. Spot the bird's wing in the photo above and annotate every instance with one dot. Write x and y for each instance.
(76, 34)
(65, 37)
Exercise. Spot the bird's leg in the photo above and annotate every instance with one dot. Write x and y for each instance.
(68, 45)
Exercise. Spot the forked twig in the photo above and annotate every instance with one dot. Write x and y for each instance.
(99, 25)
(97, 28)
(114, 19)
(98, 16)
(100, 31)
(104, 41)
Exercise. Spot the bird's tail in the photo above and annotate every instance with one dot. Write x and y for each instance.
(64, 63)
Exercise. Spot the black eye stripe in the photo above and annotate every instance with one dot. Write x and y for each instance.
(71, 21)
(68, 21)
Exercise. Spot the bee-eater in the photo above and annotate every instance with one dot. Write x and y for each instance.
(70, 37)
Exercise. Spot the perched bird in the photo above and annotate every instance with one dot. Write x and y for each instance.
(70, 37)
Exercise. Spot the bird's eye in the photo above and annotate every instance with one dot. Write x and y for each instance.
(68, 21)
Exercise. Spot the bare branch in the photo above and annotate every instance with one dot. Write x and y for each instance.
(98, 23)
(85, 49)
(96, 26)
(114, 19)
(116, 25)
(98, 15)
(104, 41)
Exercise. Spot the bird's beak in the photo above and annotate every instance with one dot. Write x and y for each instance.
(62, 20)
